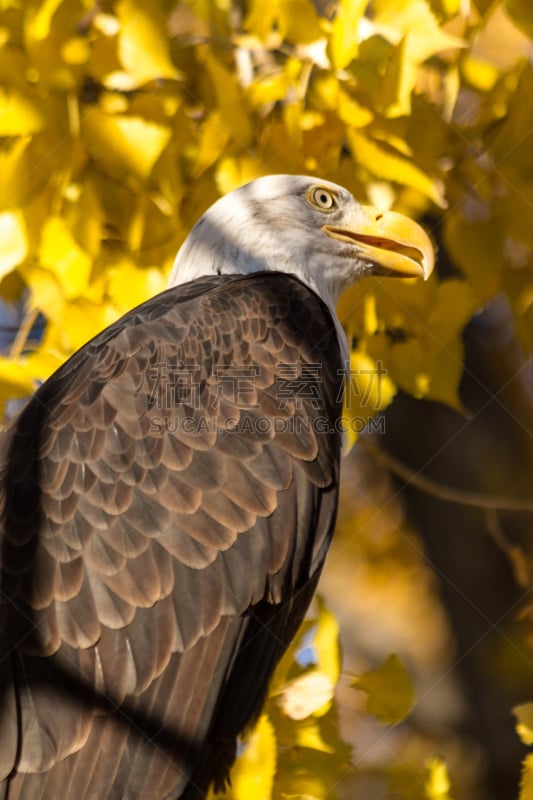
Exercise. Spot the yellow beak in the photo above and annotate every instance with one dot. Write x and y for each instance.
(393, 243)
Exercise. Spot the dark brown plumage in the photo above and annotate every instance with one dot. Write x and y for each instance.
(168, 497)
(154, 571)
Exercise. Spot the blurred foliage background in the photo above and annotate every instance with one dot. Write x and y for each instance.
(120, 122)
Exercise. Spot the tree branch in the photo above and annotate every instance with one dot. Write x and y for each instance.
(451, 494)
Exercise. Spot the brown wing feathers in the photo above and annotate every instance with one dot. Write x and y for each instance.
(158, 530)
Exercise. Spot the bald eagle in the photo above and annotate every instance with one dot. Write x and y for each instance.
(168, 497)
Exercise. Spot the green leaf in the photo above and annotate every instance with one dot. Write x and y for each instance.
(390, 691)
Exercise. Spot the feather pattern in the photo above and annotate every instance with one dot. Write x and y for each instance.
(168, 499)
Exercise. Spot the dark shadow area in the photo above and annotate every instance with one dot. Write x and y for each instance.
(488, 450)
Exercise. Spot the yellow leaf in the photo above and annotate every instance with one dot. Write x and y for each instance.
(351, 112)
(390, 691)
(437, 784)
(369, 389)
(234, 172)
(308, 734)
(429, 369)
(343, 42)
(45, 290)
(388, 165)
(298, 21)
(124, 145)
(15, 183)
(413, 17)
(47, 29)
(307, 694)
(230, 100)
(130, 285)
(261, 17)
(44, 361)
(475, 243)
(82, 319)
(13, 240)
(399, 80)
(253, 773)
(15, 379)
(326, 642)
(449, 8)
(524, 722)
(143, 44)
(268, 88)
(61, 254)
(526, 779)
(210, 144)
(20, 114)
(453, 305)
(84, 216)
(41, 20)
(76, 50)
(479, 74)
(499, 43)
(522, 13)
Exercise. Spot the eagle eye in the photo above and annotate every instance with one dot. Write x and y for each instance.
(322, 198)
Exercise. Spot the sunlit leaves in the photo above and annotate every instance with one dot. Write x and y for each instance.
(128, 285)
(296, 20)
(524, 722)
(390, 691)
(343, 40)
(522, 13)
(307, 694)
(383, 162)
(253, 775)
(15, 379)
(61, 254)
(296, 750)
(124, 146)
(122, 122)
(526, 779)
(229, 99)
(412, 27)
(310, 692)
(20, 114)
(13, 240)
(368, 391)
(143, 46)
(437, 780)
